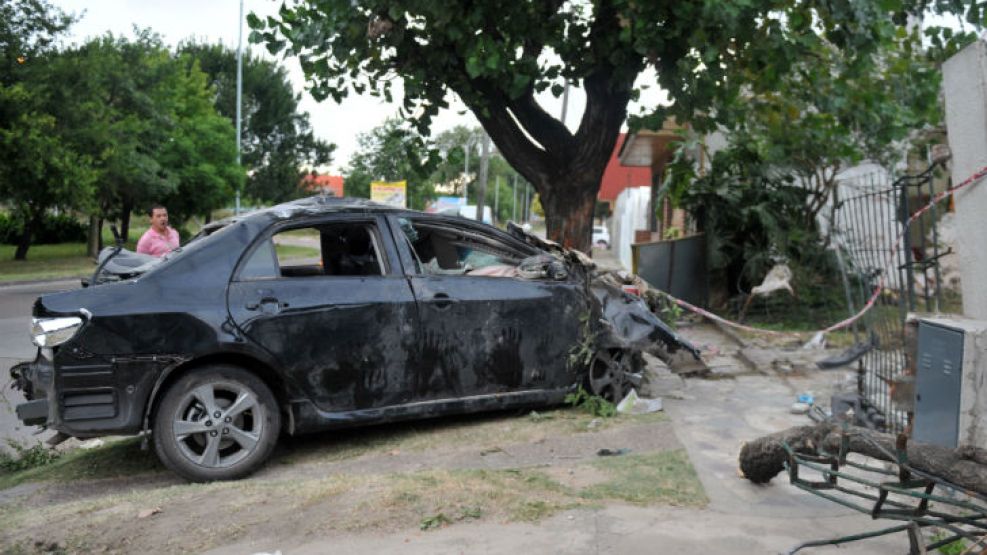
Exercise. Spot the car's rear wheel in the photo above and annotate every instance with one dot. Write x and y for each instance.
(216, 423)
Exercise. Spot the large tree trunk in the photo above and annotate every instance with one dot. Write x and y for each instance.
(569, 211)
(92, 242)
(125, 211)
(565, 168)
(24, 243)
(762, 459)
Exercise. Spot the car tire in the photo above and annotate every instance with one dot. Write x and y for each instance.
(216, 423)
(602, 245)
(608, 374)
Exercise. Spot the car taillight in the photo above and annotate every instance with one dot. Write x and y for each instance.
(48, 332)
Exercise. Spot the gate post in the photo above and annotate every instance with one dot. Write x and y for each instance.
(965, 86)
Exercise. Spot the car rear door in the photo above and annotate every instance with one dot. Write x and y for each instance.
(328, 300)
(484, 330)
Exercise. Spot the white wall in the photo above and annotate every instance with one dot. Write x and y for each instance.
(630, 213)
(965, 85)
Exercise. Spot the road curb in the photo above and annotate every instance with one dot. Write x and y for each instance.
(6, 284)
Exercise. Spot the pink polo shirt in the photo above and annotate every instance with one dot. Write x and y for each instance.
(155, 244)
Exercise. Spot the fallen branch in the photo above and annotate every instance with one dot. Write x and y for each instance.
(762, 459)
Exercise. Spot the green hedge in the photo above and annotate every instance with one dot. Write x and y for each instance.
(62, 228)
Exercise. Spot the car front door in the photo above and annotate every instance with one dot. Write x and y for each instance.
(328, 300)
(484, 329)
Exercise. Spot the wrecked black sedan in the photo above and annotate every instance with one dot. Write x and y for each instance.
(325, 313)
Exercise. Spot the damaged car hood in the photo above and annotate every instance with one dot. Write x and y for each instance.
(621, 320)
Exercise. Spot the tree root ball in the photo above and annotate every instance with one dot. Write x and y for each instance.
(761, 461)
(764, 458)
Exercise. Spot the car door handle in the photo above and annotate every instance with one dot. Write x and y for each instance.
(254, 305)
(442, 301)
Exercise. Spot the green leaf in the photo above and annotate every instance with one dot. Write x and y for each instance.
(473, 67)
(493, 60)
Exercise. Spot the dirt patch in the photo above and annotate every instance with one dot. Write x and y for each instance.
(498, 469)
(577, 477)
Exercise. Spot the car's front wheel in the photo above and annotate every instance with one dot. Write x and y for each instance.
(216, 423)
(609, 374)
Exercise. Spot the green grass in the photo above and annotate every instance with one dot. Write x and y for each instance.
(375, 501)
(666, 477)
(288, 252)
(304, 232)
(62, 260)
(123, 457)
(115, 459)
(68, 260)
(46, 262)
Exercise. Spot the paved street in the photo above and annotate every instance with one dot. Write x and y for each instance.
(15, 346)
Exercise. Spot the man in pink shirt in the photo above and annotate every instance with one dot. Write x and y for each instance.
(159, 239)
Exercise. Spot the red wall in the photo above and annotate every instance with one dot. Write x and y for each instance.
(616, 178)
(332, 183)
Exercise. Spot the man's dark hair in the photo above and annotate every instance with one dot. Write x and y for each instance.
(155, 206)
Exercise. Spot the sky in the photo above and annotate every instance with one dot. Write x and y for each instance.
(216, 21)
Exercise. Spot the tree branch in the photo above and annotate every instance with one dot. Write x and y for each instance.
(495, 117)
(548, 131)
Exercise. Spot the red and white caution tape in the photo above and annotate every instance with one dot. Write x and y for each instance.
(975, 178)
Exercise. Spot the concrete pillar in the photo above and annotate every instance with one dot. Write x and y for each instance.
(965, 86)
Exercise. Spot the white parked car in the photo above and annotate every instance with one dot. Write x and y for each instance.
(601, 237)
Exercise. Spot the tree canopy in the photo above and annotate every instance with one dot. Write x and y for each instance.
(105, 127)
(497, 56)
(393, 152)
(277, 140)
(117, 123)
(28, 32)
(145, 118)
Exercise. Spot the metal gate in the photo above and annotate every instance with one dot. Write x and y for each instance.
(874, 246)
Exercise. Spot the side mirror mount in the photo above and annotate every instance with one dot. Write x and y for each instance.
(116, 235)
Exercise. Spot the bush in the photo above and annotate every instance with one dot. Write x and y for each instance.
(61, 228)
(25, 458)
(593, 404)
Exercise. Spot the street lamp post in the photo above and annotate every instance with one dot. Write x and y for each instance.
(239, 93)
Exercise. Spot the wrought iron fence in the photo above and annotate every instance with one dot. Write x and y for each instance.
(869, 214)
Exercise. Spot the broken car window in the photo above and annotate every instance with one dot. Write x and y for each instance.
(334, 249)
(448, 250)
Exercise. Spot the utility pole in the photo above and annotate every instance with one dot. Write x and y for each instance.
(466, 170)
(527, 205)
(496, 213)
(514, 202)
(484, 175)
(239, 94)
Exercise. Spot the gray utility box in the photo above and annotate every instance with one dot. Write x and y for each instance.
(950, 393)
